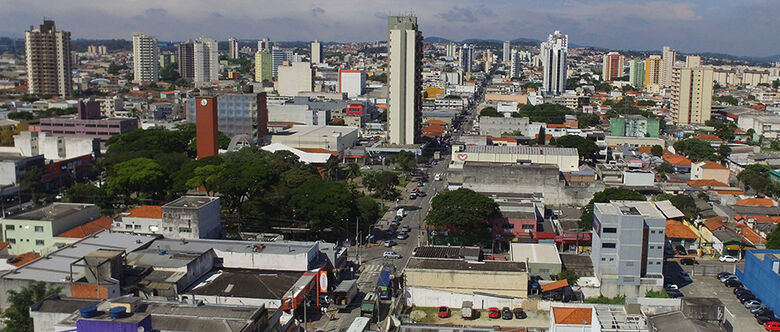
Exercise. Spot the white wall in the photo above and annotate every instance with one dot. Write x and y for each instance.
(426, 297)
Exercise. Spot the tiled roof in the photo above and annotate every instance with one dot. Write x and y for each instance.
(713, 165)
(713, 224)
(24, 258)
(751, 236)
(434, 122)
(708, 137)
(758, 218)
(89, 228)
(556, 125)
(676, 159)
(3, 245)
(755, 202)
(554, 285)
(706, 183)
(573, 316)
(146, 211)
(676, 230)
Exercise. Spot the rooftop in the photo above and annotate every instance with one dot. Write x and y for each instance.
(203, 245)
(52, 212)
(58, 304)
(646, 209)
(320, 131)
(247, 283)
(92, 227)
(526, 150)
(462, 265)
(535, 253)
(573, 316)
(193, 202)
(447, 252)
(677, 230)
(146, 211)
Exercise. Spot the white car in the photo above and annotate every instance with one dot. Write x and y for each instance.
(671, 286)
(728, 259)
(391, 254)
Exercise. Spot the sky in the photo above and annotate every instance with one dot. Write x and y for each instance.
(737, 27)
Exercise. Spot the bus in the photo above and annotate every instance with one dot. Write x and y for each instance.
(383, 286)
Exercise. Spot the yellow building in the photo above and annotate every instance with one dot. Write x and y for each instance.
(653, 72)
(264, 66)
(691, 101)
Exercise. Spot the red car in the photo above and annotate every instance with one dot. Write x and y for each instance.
(494, 313)
(444, 312)
(772, 326)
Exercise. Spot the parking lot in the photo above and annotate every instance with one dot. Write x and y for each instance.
(708, 286)
(535, 319)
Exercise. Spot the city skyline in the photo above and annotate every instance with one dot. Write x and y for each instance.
(632, 25)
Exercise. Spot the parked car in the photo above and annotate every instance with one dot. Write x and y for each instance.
(412, 196)
(721, 275)
(760, 308)
(770, 323)
(728, 259)
(727, 277)
(519, 313)
(680, 250)
(752, 303)
(444, 312)
(405, 228)
(733, 283)
(684, 275)
(506, 313)
(671, 287)
(389, 243)
(391, 254)
(746, 298)
(493, 312)
(402, 236)
(764, 312)
(688, 261)
(738, 291)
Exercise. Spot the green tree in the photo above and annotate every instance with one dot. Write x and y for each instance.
(139, 176)
(665, 168)
(338, 122)
(686, 205)
(113, 68)
(756, 177)
(773, 239)
(17, 316)
(586, 148)
(570, 275)
(587, 120)
(491, 112)
(464, 214)
(541, 137)
(405, 160)
(609, 194)
(222, 141)
(695, 149)
(20, 115)
(170, 73)
(352, 171)
(87, 193)
(32, 181)
(724, 151)
(207, 176)
(323, 204)
(657, 150)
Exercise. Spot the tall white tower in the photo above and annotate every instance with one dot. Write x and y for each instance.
(404, 48)
(233, 48)
(206, 60)
(553, 54)
(146, 54)
(316, 52)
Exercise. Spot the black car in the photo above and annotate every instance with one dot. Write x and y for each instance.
(680, 250)
(721, 275)
(745, 298)
(519, 313)
(764, 312)
(733, 283)
(763, 319)
(741, 291)
(687, 261)
(673, 293)
(506, 313)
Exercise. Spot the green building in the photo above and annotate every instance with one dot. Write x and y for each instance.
(264, 66)
(634, 126)
(36, 230)
(636, 73)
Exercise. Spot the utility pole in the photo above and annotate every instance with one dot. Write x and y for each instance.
(305, 322)
(357, 239)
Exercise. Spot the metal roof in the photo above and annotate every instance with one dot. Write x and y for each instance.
(520, 149)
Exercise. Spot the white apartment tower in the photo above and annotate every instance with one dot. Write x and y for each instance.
(263, 45)
(515, 64)
(295, 77)
(553, 55)
(316, 52)
(691, 101)
(404, 48)
(466, 58)
(146, 54)
(48, 60)
(669, 55)
(233, 48)
(507, 49)
(452, 50)
(206, 56)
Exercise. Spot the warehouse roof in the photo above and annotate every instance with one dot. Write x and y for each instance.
(526, 150)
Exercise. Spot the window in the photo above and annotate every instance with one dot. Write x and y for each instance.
(652, 231)
(129, 226)
(185, 230)
(509, 226)
(629, 263)
(611, 259)
(38, 242)
(12, 241)
(528, 226)
(610, 230)
(603, 259)
(39, 229)
(137, 226)
(10, 227)
(608, 245)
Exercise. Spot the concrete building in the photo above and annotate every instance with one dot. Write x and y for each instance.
(760, 274)
(238, 114)
(566, 159)
(506, 51)
(48, 56)
(709, 170)
(496, 126)
(206, 60)
(13, 166)
(277, 59)
(466, 58)
(634, 126)
(628, 247)
(206, 126)
(233, 48)
(691, 101)
(352, 82)
(638, 178)
(553, 54)
(144, 219)
(186, 60)
(653, 73)
(264, 70)
(452, 50)
(329, 138)
(542, 258)
(146, 53)
(405, 50)
(32, 143)
(264, 44)
(102, 129)
(515, 64)
(669, 56)
(762, 123)
(36, 230)
(612, 66)
(636, 73)
(295, 77)
(316, 52)
(692, 61)
(192, 217)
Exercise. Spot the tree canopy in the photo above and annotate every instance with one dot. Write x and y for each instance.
(756, 177)
(657, 150)
(17, 316)
(695, 149)
(586, 148)
(609, 194)
(490, 111)
(465, 214)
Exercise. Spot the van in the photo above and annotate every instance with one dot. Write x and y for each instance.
(400, 213)
(437, 177)
(466, 310)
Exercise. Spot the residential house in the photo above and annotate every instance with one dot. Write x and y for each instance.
(710, 170)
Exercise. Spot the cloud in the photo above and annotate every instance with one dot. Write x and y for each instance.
(316, 11)
(465, 14)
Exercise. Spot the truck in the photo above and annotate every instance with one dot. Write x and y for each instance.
(345, 293)
(466, 310)
(369, 306)
(383, 285)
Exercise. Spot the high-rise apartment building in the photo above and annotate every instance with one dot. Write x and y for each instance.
(452, 50)
(507, 50)
(233, 48)
(692, 61)
(185, 56)
(264, 66)
(146, 54)
(612, 66)
(466, 58)
(49, 62)
(669, 56)
(653, 72)
(277, 57)
(553, 55)
(206, 60)
(264, 44)
(691, 101)
(404, 48)
(316, 52)
(295, 77)
(515, 64)
(636, 73)
(488, 60)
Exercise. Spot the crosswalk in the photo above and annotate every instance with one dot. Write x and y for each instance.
(371, 268)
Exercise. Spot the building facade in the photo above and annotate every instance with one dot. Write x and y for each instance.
(515, 64)
(506, 51)
(761, 275)
(49, 61)
(233, 48)
(691, 101)
(612, 66)
(206, 125)
(186, 60)
(405, 79)
(264, 66)
(669, 56)
(316, 52)
(553, 55)
(146, 54)
(206, 60)
(628, 247)
(352, 82)
(636, 73)
(295, 77)
(466, 58)
(35, 230)
(192, 217)
(102, 129)
(653, 73)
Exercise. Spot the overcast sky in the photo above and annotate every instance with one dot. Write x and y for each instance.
(739, 27)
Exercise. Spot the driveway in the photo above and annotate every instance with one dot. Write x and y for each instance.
(708, 286)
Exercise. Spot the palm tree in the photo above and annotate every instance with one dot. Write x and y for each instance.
(352, 171)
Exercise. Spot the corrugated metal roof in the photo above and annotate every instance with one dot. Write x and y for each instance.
(669, 210)
(529, 150)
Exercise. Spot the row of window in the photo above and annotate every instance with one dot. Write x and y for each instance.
(37, 242)
(152, 228)
(38, 229)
